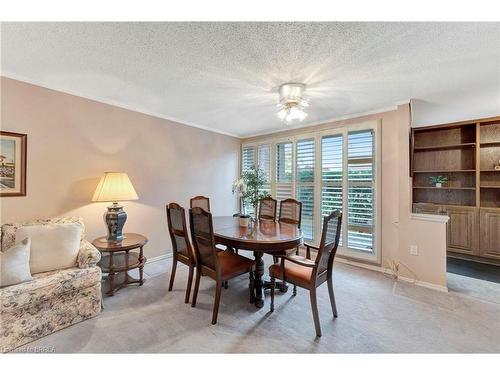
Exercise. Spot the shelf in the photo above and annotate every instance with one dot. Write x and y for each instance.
(445, 147)
(449, 171)
(490, 144)
(444, 188)
(490, 187)
(490, 170)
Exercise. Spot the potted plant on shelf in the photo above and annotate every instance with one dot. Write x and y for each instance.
(250, 191)
(438, 181)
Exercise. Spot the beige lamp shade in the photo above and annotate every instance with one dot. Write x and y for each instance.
(114, 187)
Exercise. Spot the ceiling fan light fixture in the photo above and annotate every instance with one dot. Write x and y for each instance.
(292, 103)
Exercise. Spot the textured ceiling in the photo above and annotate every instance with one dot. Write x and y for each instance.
(225, 76)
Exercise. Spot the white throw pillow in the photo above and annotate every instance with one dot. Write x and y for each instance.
(53, 246)
(15, 264)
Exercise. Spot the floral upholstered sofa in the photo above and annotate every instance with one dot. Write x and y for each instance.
(51, 300)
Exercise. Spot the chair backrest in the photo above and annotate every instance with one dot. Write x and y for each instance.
(290, 212)
(202, 234)
(329, 242)
(177, 228)
(267, 208)
(200, 201)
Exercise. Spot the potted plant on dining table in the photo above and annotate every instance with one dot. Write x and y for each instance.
(250, 191)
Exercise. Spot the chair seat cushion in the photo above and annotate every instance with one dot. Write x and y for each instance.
(232, 264)
(293, 272)
(47, 285)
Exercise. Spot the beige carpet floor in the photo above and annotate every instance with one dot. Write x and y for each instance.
(376, 315)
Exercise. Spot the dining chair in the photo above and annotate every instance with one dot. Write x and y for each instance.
(291, 213)
(218, 265)
(267, 208)
(200, 201)
(310, 274)
(181, 245)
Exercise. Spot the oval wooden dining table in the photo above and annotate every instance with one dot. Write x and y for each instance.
(265, 236)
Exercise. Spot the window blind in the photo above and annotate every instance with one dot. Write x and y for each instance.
(284, 170)
(360, 190)
(331, 174)
(304, 184)
(264, 162)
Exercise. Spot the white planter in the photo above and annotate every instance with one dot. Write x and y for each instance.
(439, 184)
(244, 221)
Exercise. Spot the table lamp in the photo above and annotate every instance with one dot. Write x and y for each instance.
(114, 187)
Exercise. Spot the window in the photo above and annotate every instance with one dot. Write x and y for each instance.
(331, 174)
(260, 156)
(304, 183)
(247, 158)
(284, 163)
(327, 170)
(361, 190)
(264, 162)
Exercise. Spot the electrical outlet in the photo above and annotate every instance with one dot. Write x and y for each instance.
(414, 250)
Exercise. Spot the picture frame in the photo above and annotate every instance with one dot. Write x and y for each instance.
(13, 152)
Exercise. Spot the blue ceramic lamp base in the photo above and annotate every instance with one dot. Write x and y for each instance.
(115, 218)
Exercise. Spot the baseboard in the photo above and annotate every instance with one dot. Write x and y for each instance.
(159, 257)
(388, 271)
(371, 267)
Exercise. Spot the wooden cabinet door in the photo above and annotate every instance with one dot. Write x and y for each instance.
(461, 230)
(490, 233)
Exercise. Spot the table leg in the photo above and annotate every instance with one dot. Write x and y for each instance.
(141, 268)
(111, 276)
(259, 272)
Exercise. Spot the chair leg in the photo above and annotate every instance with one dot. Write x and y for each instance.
(251, 286)
(196, 287)
(294, 290)
(218, 290)
(314, 306)
(273, 287)
(172, 275)
(190, 281)
(332, 296)
(225, 284)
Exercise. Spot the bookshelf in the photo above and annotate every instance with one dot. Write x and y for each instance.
(466, 154)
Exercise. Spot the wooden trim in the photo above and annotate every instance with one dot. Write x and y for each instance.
(24, 162)
(459, 123)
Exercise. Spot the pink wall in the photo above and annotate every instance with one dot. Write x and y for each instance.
(72, 141)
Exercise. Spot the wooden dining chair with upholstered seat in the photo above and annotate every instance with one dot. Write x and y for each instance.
(200, 201)
(290, 213)
(310, 274)
(267, 208)
(181, 245)
(218, 265)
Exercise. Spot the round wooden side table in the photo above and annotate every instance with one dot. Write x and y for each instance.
(117, 259)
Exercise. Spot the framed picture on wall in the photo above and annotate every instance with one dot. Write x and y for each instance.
(12, 164)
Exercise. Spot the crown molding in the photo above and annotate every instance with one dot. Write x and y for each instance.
(322, 122)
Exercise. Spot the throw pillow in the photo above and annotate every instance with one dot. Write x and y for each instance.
(53, 246)
(15, 264)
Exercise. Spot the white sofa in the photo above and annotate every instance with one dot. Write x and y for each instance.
(52, 300)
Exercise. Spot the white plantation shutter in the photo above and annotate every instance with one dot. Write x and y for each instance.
(331, 174)
(361, 190)
(327, 170)
(264, 162)
(284, 156)
(304, 183)
(248, 160)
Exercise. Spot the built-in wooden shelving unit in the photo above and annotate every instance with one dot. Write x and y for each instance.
(466, 154)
